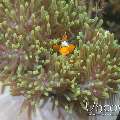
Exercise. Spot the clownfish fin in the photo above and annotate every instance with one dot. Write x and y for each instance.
(56, 47)
(71, 48)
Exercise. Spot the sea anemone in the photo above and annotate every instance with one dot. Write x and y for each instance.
(33, 68)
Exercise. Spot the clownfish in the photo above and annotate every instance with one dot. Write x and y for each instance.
(65, 47)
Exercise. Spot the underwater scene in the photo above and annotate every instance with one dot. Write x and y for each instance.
(59, 59)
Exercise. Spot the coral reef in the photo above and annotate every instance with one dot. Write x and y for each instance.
(33, 68)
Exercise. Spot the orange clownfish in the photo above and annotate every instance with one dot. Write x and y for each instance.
(64, 48)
